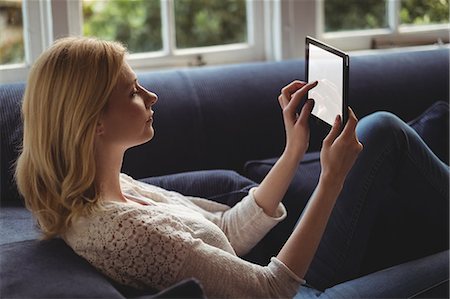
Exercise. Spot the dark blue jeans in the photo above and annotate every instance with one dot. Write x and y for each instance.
(393, 209)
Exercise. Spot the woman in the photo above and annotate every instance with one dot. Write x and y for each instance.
(83, 108)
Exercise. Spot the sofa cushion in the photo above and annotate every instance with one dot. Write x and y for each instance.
(224, 186)
(305, 179)
(433, 126)
(17, 224)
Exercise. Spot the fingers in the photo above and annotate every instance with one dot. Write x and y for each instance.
(294, 90)
(299, 94)
(290, 99)
(348, 134)
(287, 91)
(291, 88)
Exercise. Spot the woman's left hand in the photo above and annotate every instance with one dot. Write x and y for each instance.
(296, 125)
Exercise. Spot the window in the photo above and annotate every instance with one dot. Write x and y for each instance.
(180, 33)
(135, 23)
(177, 32)
(355, 15)
(158, 33)
(138, 23)
(424, 12)
(11, 27)
(24, 34)
(354, 25)
(202, 23)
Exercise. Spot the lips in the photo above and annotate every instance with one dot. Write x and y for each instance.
(150, 117)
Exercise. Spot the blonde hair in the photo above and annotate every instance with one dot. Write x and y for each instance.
(67, 89)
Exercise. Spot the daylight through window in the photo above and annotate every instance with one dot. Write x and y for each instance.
(11, 28)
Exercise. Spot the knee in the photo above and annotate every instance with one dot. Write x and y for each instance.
(379, 127)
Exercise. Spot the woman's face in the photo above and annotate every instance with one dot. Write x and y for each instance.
(127, 118)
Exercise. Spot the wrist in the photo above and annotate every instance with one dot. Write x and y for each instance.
(331, 182)
(294, 155)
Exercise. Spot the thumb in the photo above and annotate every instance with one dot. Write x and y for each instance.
(306, 111)
(334, 132)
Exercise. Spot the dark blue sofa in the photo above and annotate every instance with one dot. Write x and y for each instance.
(226, 118)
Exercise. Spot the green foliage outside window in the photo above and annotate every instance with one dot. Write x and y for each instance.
(201, 23)
(420, 12)
(198, 23)
(370, 14)
(355, 15)
(136, 23)
(11, 32)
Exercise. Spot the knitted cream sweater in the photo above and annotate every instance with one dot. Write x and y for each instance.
(161, 237)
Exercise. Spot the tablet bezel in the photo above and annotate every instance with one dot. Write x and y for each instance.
(345, 70)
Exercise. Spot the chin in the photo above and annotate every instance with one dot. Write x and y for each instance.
(150, 135)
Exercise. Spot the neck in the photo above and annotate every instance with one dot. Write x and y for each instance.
(108, 165)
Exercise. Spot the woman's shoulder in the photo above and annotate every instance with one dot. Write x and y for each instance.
(121, 240)
(116, 216)
(121, 223)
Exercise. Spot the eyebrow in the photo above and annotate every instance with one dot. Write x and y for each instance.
(132, 82)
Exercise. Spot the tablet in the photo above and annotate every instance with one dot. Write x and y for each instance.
(329, 66)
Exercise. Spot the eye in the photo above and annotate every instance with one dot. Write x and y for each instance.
(134, 93)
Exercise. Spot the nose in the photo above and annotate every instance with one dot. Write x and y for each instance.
(150, 98)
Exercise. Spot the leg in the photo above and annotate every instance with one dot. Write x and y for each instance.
(395, 164)
(422, 278)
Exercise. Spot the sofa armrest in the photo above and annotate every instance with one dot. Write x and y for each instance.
(50, 269)
(189, 288)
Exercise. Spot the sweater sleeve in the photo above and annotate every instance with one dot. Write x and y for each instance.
(152, 249)
(246, 224)
(224, 275)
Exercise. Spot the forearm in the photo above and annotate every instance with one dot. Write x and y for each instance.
(272, 189)
(300, 248)
(274, 186)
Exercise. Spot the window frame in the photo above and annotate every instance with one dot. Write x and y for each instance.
(276, 30)
(362, 39)
(301, 18)
(48, 20)
(170, 56)
(36, 35)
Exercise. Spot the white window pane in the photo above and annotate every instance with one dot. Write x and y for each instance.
(135, 23)
(343, 15)
(201, 23)
(11, 28)
(424, 12)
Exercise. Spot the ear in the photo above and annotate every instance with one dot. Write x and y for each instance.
(100, 129)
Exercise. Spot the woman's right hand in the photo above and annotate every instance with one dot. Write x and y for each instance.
(339, 151)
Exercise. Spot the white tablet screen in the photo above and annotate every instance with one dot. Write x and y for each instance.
(327, 68)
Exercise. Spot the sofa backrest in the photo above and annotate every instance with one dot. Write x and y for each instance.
(222, 116)
(10, 139)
